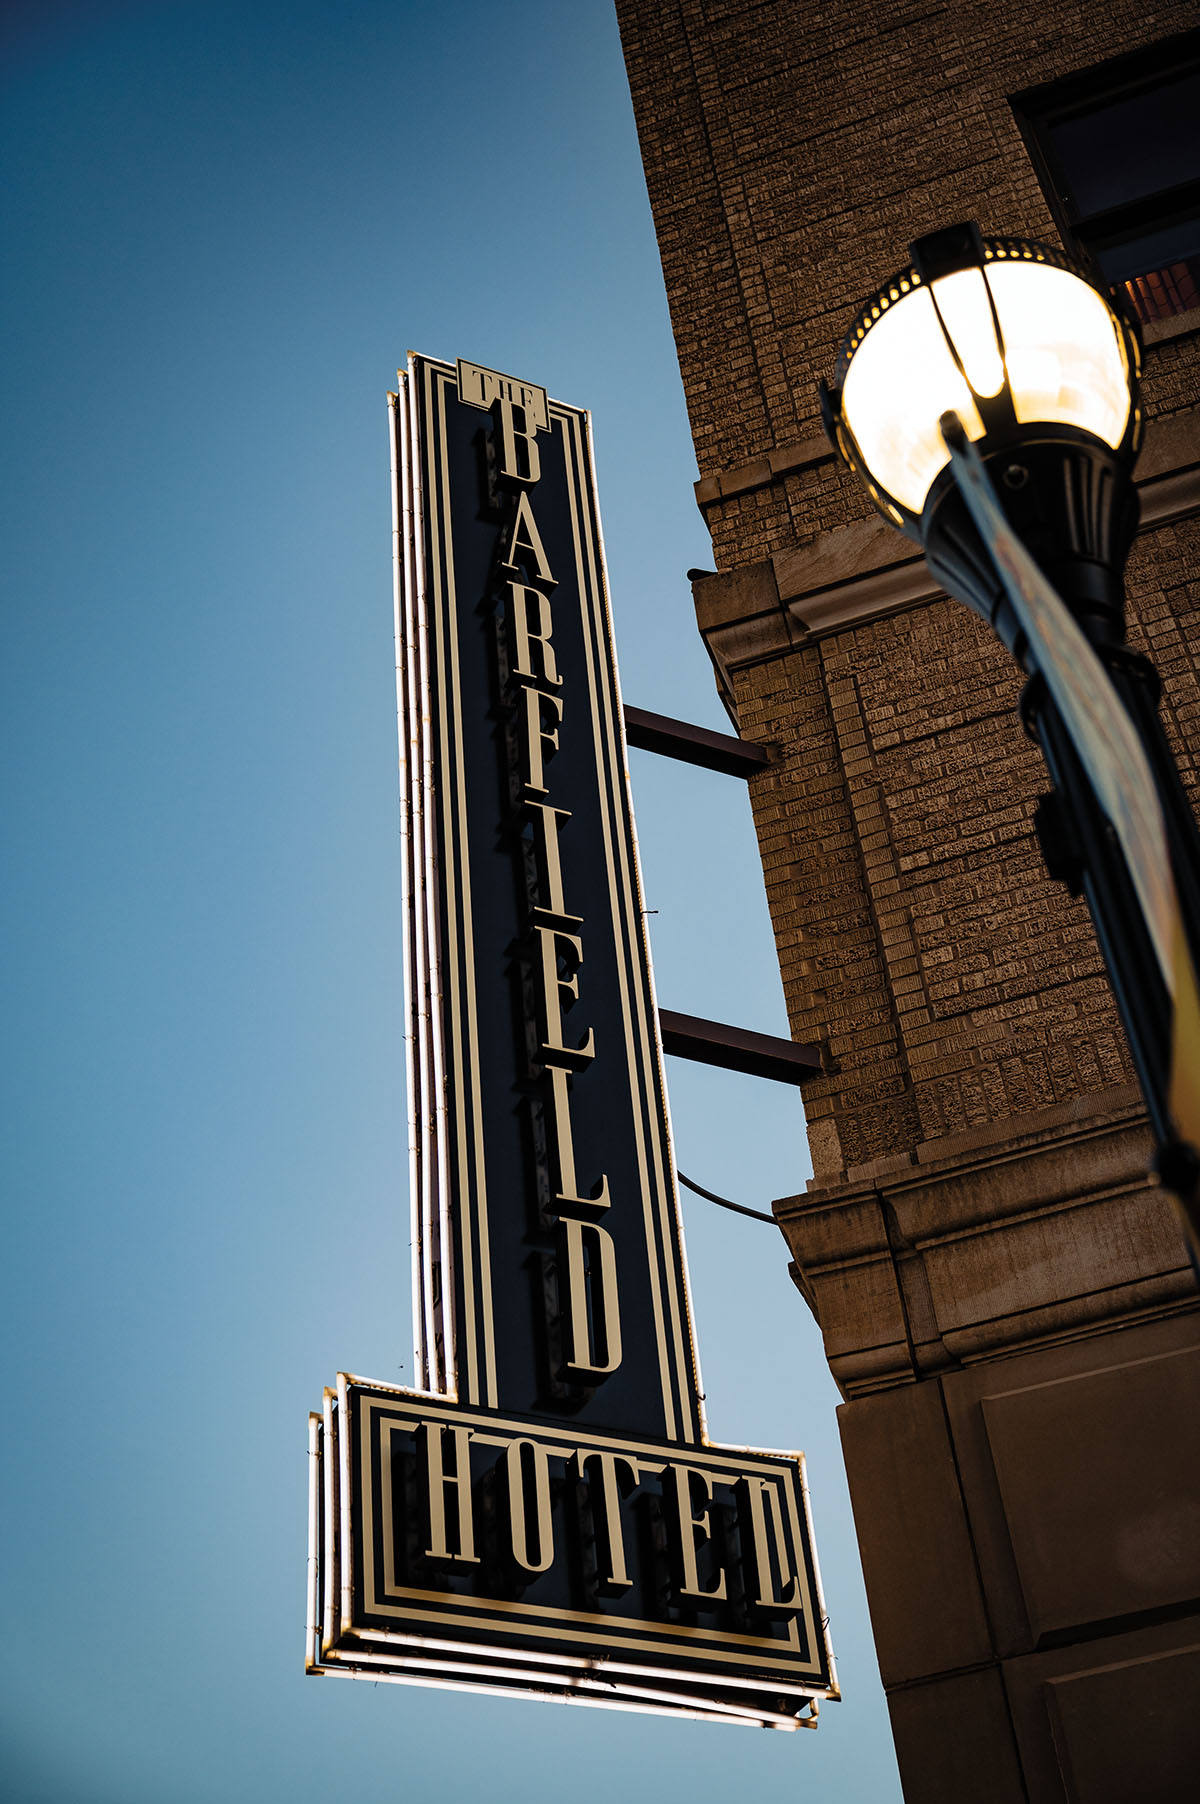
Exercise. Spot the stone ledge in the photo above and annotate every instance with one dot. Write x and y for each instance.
(1170, 444)
(760, 472)
(1180, 325)
(866, 569)
(1054, 1231)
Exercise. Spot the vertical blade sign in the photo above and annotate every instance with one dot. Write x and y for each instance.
(545, 1512)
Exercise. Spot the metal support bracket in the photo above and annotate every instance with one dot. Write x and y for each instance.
(693, 745)
(737, 1049)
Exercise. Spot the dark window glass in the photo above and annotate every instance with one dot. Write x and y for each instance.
(1118, 152)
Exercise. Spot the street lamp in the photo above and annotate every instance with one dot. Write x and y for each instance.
(987, 398)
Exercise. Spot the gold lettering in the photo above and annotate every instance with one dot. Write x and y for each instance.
(527, 602)
(438, 1483)
(617, 1577)
(526, 539)
(694, 1530)
(553, 943)
(529, 1487)
(594, 1318)
(547, 826)
(754, 1490)
(537, 739)
(479, 387)
(519, 458)
(563, 1147)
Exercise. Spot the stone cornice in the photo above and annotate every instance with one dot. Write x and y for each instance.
(866, 569)
(759, 472)
(1017, 1235)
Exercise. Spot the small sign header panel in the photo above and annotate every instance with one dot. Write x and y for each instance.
(546, 1512)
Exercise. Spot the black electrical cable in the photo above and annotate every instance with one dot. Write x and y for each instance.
(723, 1202)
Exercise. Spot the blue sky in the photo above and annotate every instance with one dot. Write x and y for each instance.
(232, 223)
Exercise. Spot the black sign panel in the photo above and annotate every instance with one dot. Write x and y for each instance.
(545, 1512)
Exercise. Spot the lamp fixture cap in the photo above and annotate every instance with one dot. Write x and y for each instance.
(944, 252)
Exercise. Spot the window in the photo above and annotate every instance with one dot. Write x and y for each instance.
(1117, 150)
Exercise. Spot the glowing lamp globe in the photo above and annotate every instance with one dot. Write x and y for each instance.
(1042, 371)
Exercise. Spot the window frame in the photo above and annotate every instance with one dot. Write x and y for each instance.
(1037, 110)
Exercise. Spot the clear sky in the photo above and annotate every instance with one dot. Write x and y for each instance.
(230, 223)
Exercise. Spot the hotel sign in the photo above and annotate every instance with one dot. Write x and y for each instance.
(545, 1513)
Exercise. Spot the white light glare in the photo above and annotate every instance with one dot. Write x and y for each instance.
(900, 382)
(1064, 355)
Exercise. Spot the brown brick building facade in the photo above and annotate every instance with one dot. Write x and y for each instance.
(1004, 1294)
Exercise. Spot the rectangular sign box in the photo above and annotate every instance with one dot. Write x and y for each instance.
(545, 1513)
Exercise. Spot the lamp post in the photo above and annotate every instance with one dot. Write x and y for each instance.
(987, 398)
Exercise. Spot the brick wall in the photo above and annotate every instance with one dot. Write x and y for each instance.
(792, 150)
